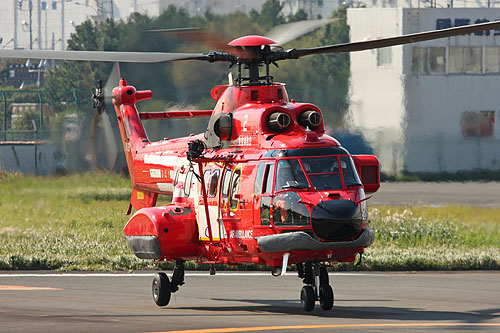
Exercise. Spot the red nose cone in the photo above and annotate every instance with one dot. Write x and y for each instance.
(252, 40)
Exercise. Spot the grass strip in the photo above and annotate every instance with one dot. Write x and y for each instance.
(75, 223)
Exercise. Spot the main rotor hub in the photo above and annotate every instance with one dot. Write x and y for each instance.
(253, 52)
(252, 40)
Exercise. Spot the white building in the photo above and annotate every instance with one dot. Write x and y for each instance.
(46, 24)
(432, 106)
(313, 8)
(53, 21)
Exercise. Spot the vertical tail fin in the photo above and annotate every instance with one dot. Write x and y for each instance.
(133, 135)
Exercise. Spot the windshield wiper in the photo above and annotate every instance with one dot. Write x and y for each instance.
(294, 184)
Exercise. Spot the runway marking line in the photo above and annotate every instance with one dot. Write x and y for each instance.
(24, 288)
(301, 327)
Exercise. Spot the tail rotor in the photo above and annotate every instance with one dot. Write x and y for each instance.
(102, 147)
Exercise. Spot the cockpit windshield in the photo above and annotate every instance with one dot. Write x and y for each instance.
(289, 174)
(325, 173)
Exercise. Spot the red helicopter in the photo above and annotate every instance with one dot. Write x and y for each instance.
(263, 185)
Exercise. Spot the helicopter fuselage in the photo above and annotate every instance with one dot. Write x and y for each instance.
(274, 184)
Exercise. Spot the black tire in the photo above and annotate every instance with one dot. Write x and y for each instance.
(307, 298)
(326, 297)
(161, 289)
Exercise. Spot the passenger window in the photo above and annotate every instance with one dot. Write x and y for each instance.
(206, 178)
(187, 183)
(225, 183)
(176, 178)
(214, 181)
(235, 188)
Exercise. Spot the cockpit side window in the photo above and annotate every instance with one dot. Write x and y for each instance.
(268, 178)
(259, 178)
(351, 177)
(264, 178)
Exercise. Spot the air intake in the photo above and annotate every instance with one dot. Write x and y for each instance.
(311, 119)
(278, 121)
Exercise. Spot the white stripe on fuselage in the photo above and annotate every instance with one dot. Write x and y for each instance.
(172, 161)
(165, 187)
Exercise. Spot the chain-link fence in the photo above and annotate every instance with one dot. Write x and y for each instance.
(44, 132)
(32, 115)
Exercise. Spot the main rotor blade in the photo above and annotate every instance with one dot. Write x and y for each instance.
(400, 40)
(137, 57)
(285, 33)
(201, 36)
(204, 37)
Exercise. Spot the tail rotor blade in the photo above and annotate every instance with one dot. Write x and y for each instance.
(113, 80)
(93, 141)
(110, 145)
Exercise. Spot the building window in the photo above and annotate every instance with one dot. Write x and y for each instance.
(477, 124)
(473, 60)
(456, 61)
(419, 60)
(428, 60)
(491, 59)
(384, 56)
(437, 60)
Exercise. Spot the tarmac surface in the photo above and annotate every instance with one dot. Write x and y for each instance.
(248, 302)
(479, 194)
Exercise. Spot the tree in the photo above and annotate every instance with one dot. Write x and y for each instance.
(300, 15)
(321, 79)
(270, 15)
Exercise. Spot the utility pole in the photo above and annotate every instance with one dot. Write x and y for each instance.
(30, 9)
(15, 23)
(63, 39)
(46, 37)
(39, 24)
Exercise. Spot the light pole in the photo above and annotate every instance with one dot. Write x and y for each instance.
(28, 25)
(99, 10)
(30, 8)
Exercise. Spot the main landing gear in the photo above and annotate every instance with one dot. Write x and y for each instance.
(317, 286)
(163, 287)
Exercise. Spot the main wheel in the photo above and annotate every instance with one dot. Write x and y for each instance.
(326, 297)
(161, 289)
(307, 298)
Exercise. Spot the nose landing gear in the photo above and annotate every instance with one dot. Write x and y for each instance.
(163, 288)
(317, 287)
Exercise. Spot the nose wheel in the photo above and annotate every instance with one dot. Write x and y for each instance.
(317, 287)
(163, 288)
